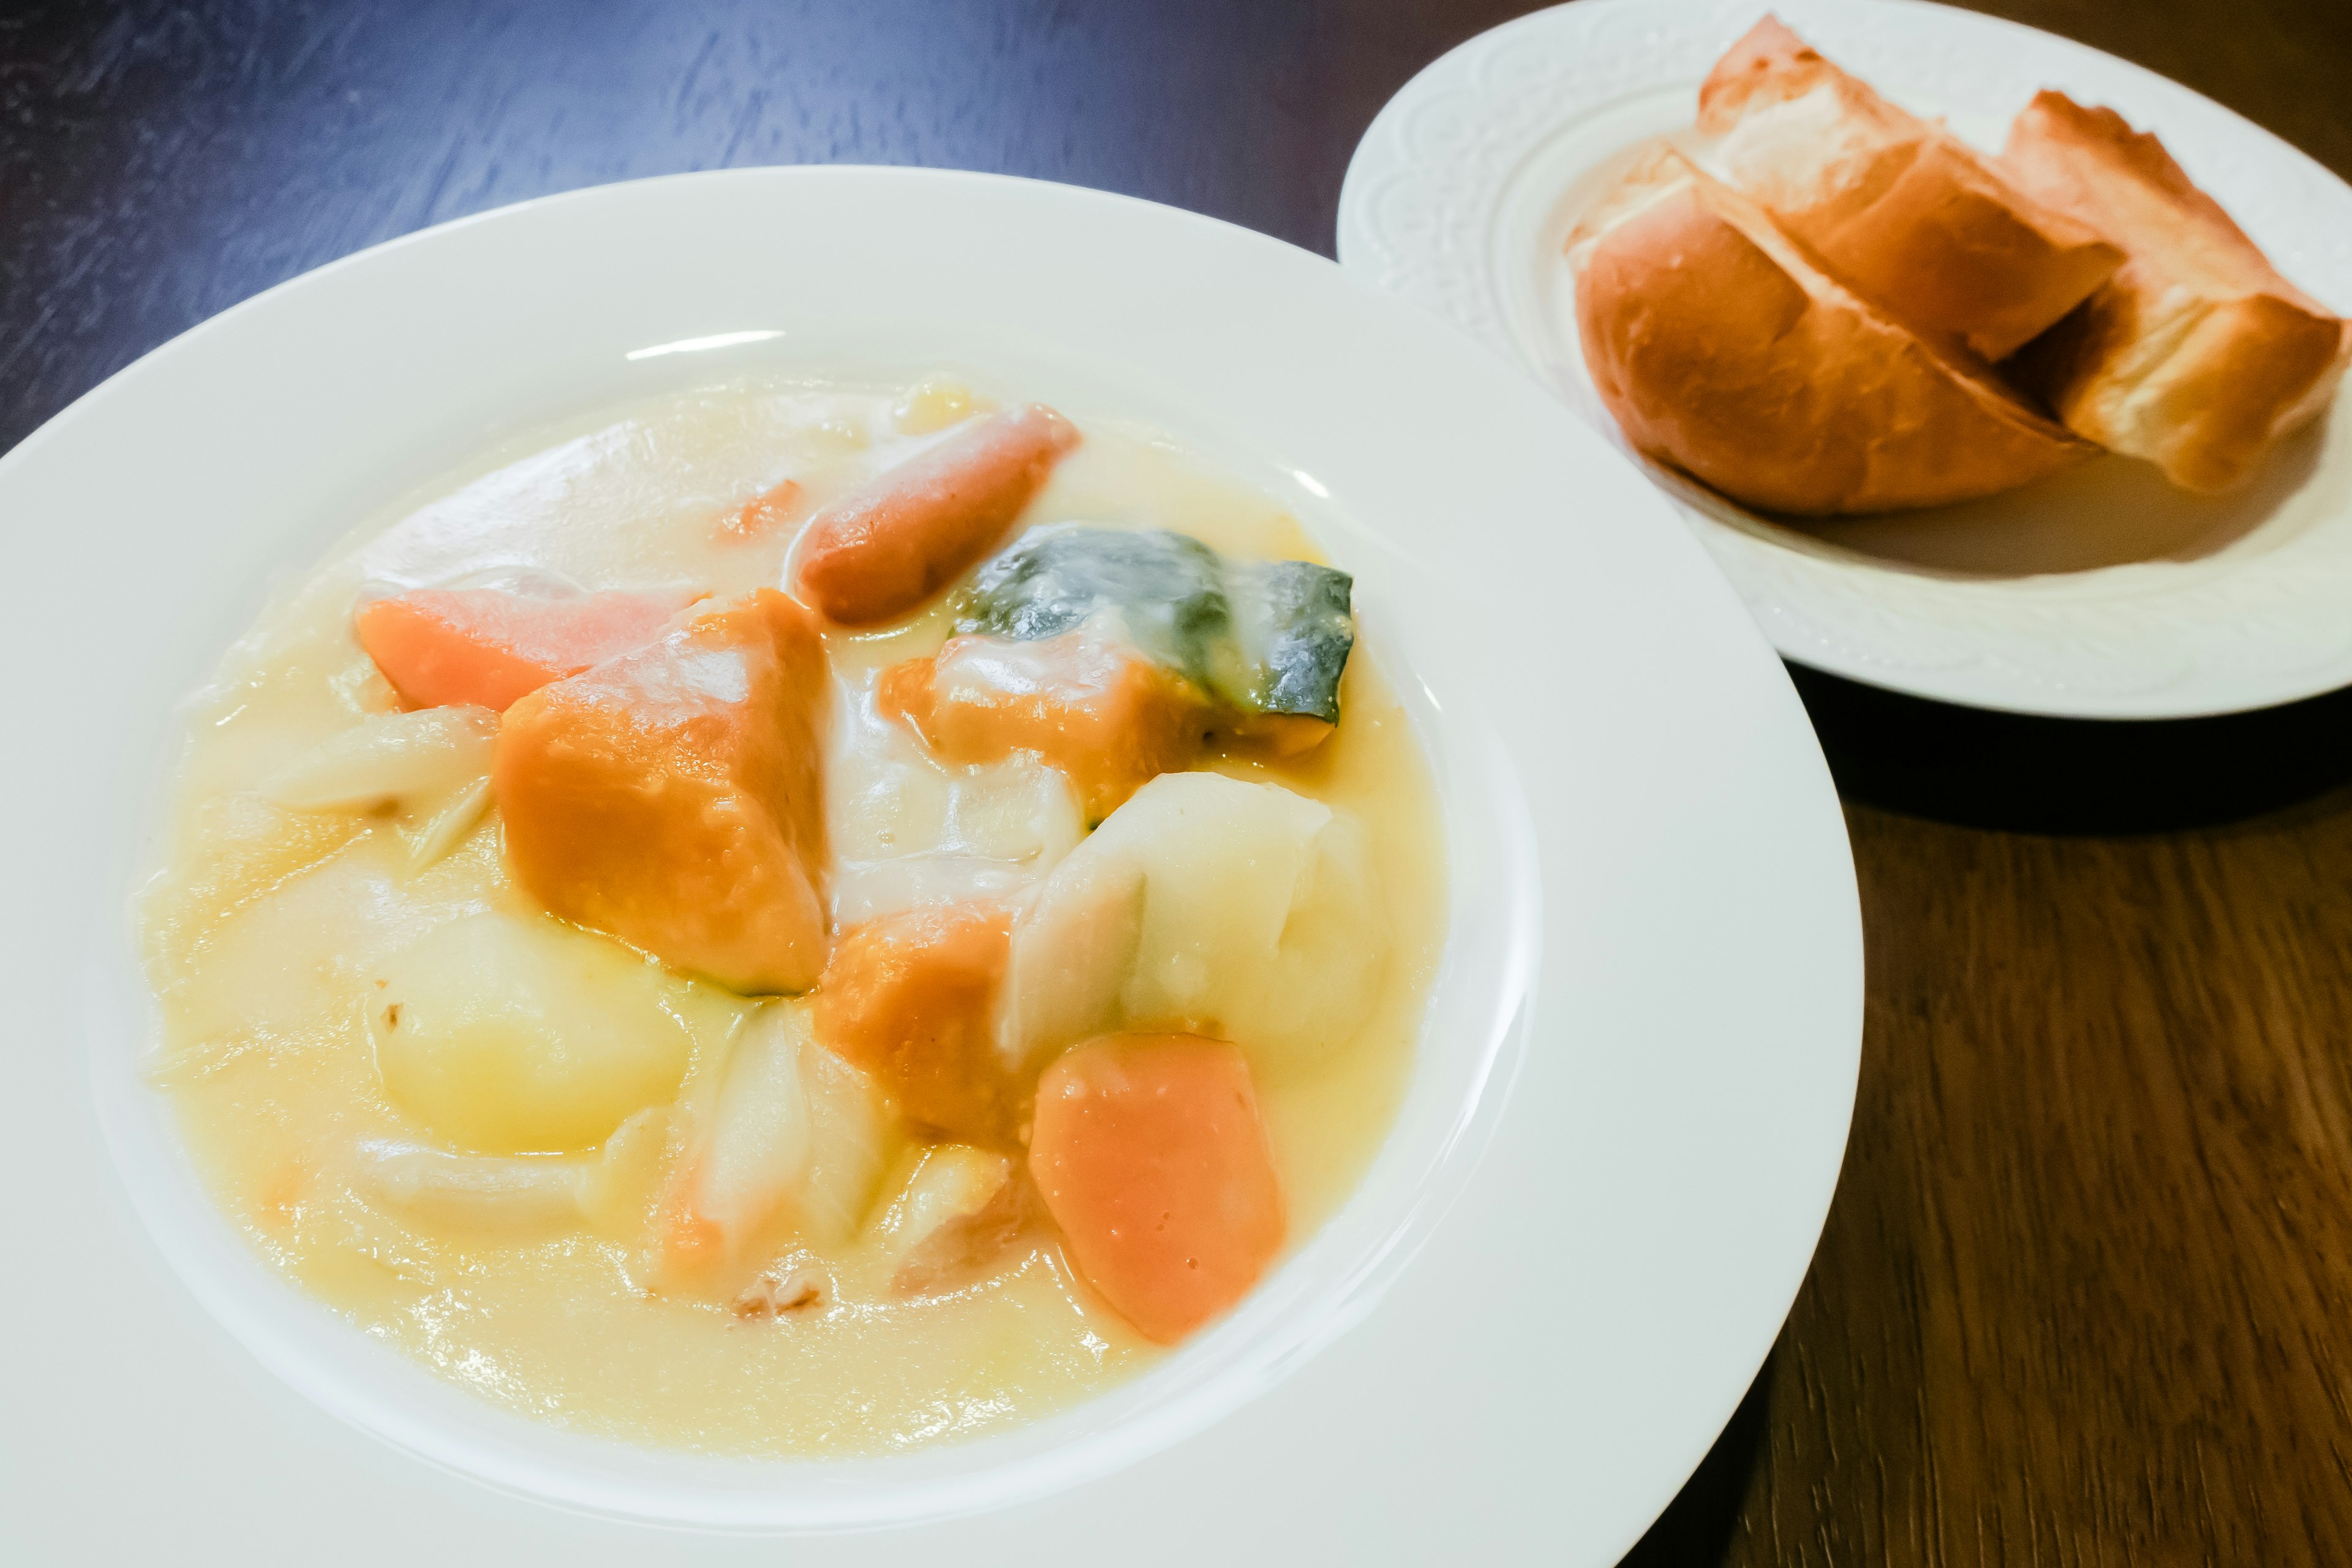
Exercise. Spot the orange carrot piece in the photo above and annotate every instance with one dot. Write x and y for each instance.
(908, 997)
(880, 552)
(674, 797)
(763, 514)
(442, 647)
(1151, 1155)
(1107, 716)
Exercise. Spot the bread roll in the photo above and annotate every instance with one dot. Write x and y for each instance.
(2197, 354)
(1903, 211)
(1722, 349)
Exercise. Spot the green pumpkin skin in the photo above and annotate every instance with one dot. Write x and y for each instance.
(1264, 637)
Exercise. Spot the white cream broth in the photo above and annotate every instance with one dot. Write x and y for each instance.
(267, 930)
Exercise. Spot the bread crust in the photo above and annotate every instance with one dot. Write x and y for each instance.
(2197, 354)
(1724, 350)
(1904, 211)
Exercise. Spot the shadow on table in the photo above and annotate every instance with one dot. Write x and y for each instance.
(2029, 775)
(1696, 1530)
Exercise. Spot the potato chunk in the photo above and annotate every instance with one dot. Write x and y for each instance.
(1208, 905)
(514, 1036)
(674, 797)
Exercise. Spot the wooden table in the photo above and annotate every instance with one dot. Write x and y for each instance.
(2085, 1296)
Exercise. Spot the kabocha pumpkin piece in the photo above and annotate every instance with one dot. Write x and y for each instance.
(440, 647)
(909, 998)
(1088, 704)
(1151, 1155)
(1117, 654)
(1266, 640)
(884, 550)
(674, 797)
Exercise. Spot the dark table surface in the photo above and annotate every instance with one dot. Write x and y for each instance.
(2085, 1295)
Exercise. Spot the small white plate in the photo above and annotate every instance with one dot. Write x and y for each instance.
(1517, 1340)
(2099, 594)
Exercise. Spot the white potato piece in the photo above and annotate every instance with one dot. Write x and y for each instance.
(432, 754)
(933, 404)
(1208, 905)
(481, 1191)
(279, 974)
(509, 1034)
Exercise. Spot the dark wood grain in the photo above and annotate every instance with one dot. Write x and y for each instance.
(2091, 1299)
(2085, 1296)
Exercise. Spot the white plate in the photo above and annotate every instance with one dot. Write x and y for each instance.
(2100, 594)
(1613, 1230)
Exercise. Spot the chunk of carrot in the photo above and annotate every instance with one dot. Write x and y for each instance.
(674, 797)
(1108, 718)
(908, 997)
(880, 553)
(1152, 1157)
(763, 514)
(442, 647)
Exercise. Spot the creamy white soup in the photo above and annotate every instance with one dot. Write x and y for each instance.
(798, 919)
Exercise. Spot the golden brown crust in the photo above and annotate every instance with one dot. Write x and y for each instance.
(1899, 209)
(1770, 64)
(2197, 354)
(1722, 348)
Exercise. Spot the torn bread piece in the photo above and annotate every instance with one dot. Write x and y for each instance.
(1722, 348)
(1907, 213)
(2197, 354)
